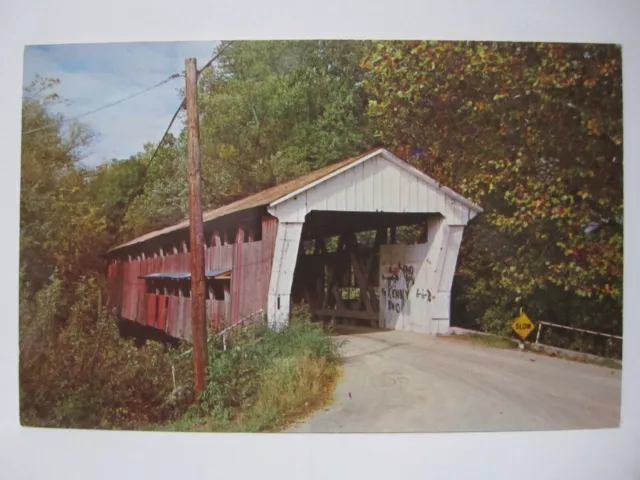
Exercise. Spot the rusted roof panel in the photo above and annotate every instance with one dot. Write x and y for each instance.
(257, 200)
(166, 275)
(221, 273)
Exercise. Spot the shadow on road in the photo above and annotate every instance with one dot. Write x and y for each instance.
(345, 330)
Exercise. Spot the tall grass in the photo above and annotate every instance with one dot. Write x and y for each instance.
(266, 378)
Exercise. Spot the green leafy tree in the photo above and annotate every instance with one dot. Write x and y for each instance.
(533, 132)
(113, 186)
(271, 111)
(75, 368)
(162, 188)
(58, 228)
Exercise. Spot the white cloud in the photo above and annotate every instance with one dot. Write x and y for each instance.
(92, 75)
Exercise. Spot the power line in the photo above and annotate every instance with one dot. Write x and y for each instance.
(213, 59)
(175, 115)
(76, 117)
(173, 119)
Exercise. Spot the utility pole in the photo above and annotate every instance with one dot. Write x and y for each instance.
(198, 306)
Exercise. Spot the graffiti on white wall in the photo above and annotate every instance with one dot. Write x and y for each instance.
(400, 279)
(424, 294)
(415, 280)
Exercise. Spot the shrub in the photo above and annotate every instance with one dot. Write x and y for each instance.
(265, 375)
(76, 371)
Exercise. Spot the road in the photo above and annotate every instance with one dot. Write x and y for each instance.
(397, 381)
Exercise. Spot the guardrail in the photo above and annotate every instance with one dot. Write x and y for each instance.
(223, 333)
(541, 323)
(227, 330)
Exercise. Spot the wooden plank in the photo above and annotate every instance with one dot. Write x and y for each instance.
(269, 232)
(259, 278)
(252, 278)
(367, 292)
(308, 297)
(243, 300)
(212, 314)
(125, 289)
(152, 300)
(362, 282)
(172, 315)
(132, 290)
(452, 248)
(179, 324)
(227, 305)
(331, 271)
(141, 316)
(184, 307)
(216, 239)
(350, 188)
(221, 315)
(187, 332)
(345, 313)
(337, 295)
(236, 276)
(319, 247)
(162, 312)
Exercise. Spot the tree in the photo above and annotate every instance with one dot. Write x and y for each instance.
(271, 111)
(58, 228)
(113, 186)
(161, 189)
(533, 132)
(75, 369)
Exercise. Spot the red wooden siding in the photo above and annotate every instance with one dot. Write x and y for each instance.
(247, 292)
(236, 276)
(162, 312)
(152, 300)
(220, 257)
(173, 315)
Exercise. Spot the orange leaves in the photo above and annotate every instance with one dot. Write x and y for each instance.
(593, 127)
(517, 127)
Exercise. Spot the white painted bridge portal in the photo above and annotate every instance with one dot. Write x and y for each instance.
(415, 280)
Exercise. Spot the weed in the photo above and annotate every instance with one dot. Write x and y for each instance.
(489, 340)
(506, 343)
(266, 378)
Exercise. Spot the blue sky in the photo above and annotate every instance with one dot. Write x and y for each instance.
(92, 75)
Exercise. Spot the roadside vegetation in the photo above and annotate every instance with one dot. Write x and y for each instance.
(265, 379)
(498, 341)
(77, 371)
(488, 340)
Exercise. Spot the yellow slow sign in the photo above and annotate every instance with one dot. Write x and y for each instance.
(523, 325)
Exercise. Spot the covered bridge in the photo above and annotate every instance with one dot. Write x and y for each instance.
(327, 238)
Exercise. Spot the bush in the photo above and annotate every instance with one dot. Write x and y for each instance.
(77, 372)
(266, 376)
(478, 305)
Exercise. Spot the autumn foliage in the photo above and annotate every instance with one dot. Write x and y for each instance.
(532, 132)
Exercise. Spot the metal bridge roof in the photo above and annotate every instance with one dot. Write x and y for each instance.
(221, 273)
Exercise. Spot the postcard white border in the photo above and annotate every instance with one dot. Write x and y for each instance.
(60, 454)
